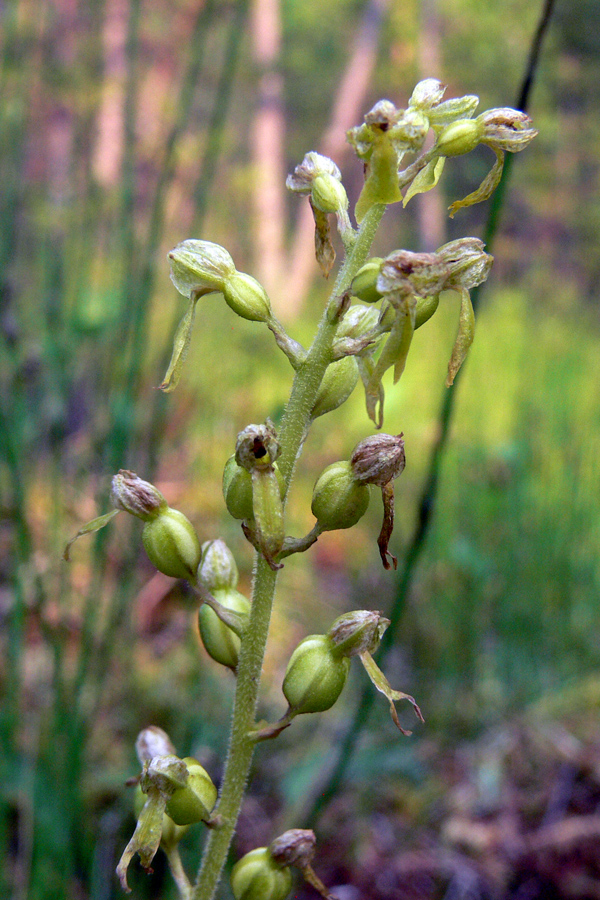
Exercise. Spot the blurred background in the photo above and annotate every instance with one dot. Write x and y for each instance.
(127, 126)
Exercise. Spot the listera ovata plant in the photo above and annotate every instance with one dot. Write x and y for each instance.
(366, 328)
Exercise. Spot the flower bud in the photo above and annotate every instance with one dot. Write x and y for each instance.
(295, 847)
(357, 632)
(256, 876)
(506, 129)
(151, 742)
(194, 801)
(247, 297)
(364, 283)
(200, 264)
(459, 137)
(315, 676)
(451, 110)
(171, 833)
(220, 641)
(339, 381)
(172, 544)
(338, 500)
(217, 569)
(140, 498)
(427, 93)
(427, 96)
(378, 459)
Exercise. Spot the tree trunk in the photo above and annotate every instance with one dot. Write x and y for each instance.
(431, 214)
(347, 111)
(267, 148)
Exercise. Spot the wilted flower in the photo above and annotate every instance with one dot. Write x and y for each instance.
(506, 129)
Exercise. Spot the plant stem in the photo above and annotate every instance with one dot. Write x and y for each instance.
(293, 431)
(177, 871)
(241, 746)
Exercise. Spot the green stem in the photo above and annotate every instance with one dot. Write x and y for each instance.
(241, 747)
(293, 431)
(178, 872)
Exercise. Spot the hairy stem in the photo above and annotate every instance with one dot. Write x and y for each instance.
(178, 872)
(293, 431)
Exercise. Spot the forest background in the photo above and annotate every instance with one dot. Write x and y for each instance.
(129, 125)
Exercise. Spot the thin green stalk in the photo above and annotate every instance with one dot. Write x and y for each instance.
(241, 747)
(293, 430)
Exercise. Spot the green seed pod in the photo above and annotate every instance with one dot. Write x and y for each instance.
(237, 489)
(338, 500)
(320, 177)
(217, 569)
(364, 283)
(171, 833)
(172, 544)
(460, 137)
(247, 297)
(328, 194)
(256, 876)
(315, 676)
(339, 381)
(357, 322)
(267, 506)
(220, 641)
(194, 802)
(426, 306)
